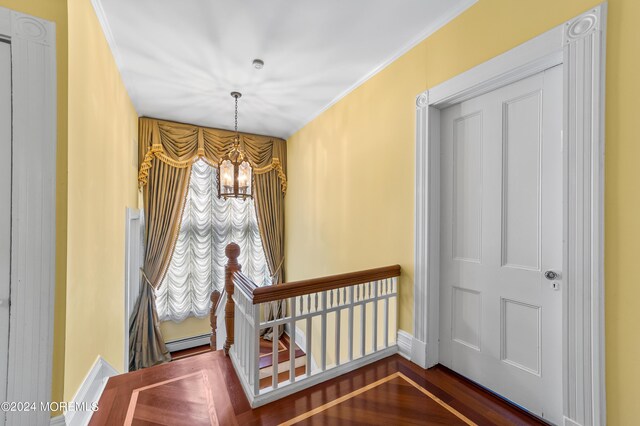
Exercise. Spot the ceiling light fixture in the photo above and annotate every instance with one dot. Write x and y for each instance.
(235, 171)
(258, 64)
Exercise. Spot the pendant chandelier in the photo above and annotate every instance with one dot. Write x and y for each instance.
(236, 174)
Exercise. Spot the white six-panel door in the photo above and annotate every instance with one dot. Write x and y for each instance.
(5, 212)
(501, 230)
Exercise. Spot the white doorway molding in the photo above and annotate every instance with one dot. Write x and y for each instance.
(578, 44)
(33, 204)
(133, 260)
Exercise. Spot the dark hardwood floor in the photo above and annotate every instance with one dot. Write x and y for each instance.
(203, 390)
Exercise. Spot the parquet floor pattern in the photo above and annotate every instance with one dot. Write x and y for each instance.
(204, 390)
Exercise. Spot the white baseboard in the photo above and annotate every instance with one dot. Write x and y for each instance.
(57, 421)
(569, 422)
(404, 344)
(89, 392)
(419, 353)
(412, 349)
(188, 343)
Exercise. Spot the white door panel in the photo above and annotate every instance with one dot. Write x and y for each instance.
(5, 212)
(501, 229)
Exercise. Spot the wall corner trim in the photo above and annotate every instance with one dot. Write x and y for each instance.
(90, 391)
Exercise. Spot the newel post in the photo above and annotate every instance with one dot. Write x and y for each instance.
(232, 251)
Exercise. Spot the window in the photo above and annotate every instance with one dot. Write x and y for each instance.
(197, 267)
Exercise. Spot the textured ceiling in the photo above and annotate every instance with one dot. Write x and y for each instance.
(180, 59)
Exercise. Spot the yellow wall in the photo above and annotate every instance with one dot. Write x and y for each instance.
(56, 11)
(190, 327)
(347, 209)
(103, 128)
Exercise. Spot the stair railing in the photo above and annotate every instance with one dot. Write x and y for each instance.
(341, 322)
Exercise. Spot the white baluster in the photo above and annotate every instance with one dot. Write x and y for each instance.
(245, 337)
(237, 322)
(256, 350)
(323, 331)
(337, 344)
(350, 323)
(243, 328)
(274, 356)
(375, 316)
(292, 341)
(363, 329)
(308, 346)
(249, 338)
(386, 316)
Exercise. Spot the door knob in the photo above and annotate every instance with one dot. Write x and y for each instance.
(551, 275)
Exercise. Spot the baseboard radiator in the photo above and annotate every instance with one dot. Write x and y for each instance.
(347, 320)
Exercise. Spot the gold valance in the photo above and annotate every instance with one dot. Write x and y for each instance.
(179, 145)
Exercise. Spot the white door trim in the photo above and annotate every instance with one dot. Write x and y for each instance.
(133, 254)
(33, 225)
(579, 44)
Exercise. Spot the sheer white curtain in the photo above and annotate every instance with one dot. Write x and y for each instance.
(197, 266)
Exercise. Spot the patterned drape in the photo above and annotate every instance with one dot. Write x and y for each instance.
(167, 151)
(197, 265)
(180, 145)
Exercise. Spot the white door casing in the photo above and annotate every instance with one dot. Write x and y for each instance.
(134, 255)
(578, 44)
(33, 202)
(5, 212)
(501, 229)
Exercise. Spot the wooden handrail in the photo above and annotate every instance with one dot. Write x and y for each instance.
(300, 288)
(234, 277)
(215, 305)
(245, 283)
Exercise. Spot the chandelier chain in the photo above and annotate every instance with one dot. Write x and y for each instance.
(236, 114)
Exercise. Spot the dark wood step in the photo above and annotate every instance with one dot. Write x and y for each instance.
(266, 351)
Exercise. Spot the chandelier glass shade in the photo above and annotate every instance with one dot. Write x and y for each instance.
(236, 174)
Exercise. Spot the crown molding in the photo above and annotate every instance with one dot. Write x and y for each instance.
(454, 13)
(111, 41)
